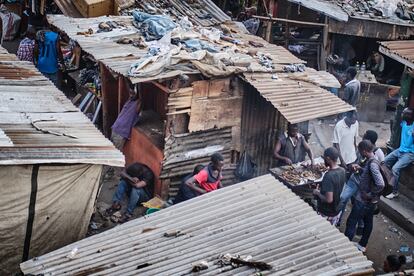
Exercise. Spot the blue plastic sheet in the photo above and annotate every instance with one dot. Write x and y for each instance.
(153, 27)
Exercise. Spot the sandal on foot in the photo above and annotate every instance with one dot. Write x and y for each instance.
(126, 217)
(111, 210)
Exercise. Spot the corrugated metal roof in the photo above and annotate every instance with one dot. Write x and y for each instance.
(119, 57)
(38, 124)
(201, 12)
(328, 8)
(297, 101)
(259, 217)
(402, 51)
(67, 7)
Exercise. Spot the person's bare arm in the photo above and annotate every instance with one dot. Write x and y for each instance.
(191, 183)
(59, 51)
(328, 197)
(131, 179)
(336, 145)
(308, 150)
(277, 156)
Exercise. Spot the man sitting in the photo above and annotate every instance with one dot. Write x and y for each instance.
(137, 181)
(404, 155)
(209, 178)
(331, 187)
(291, 147)
(185, 192)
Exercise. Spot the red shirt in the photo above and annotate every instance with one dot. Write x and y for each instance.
(202, 179)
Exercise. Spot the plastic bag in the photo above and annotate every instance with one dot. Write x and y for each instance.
(246, 168)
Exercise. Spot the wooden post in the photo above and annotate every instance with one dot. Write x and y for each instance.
(109, 99)
(268, 35)
(324, 49)
(123, 92)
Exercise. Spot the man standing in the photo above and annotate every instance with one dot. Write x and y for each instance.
(127, 119)
(49, 54)
(370, 187)
(209, 178)
(328, 195)
(138, 182)
(404, 155)
(352, 87)
(291, 147)
(26, 46)
(344, 140)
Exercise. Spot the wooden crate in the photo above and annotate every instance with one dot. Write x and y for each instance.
(94, 8)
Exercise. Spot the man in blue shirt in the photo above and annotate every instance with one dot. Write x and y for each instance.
(48, 54)
(404, 155)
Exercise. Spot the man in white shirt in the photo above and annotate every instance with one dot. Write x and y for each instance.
(345, 135)
(352, 87)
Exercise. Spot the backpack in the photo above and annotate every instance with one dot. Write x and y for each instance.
(386, 175)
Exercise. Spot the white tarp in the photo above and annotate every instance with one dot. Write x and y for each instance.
(61, 199)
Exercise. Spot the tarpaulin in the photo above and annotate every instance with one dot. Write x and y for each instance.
(43, 208)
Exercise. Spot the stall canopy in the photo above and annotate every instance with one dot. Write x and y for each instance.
(297, 101)
(51, 158)
(328, 8)
(39, 125)
(401, 51)
(261, 218)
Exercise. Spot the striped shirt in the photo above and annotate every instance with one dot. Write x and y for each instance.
(25, 51)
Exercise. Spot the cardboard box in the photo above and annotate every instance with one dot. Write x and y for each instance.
(94, 8)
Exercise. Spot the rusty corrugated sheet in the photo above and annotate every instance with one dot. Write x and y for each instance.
(260, 125)
(259, 217)
(38, 124)
(201, 12)
(182, 152)
(297, 101)
(326, 7)
(402, 51)
(67, 7)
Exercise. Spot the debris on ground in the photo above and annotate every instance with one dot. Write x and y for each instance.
(173, 233)
(394, 230)
(116, 217)
(155, 202)
(198, 266)
(237, 261)
(72, 254)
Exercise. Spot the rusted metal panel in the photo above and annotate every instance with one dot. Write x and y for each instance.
(260, 217)
(365, 27)
(260, 124)
(328, 8)
(201, 12)
(38, 124)
(297, 101)
(402, 51)
(68, 8)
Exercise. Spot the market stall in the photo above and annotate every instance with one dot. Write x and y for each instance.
(301, 178)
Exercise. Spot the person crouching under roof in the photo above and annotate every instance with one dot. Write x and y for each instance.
(137, 181)
(209, 178)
